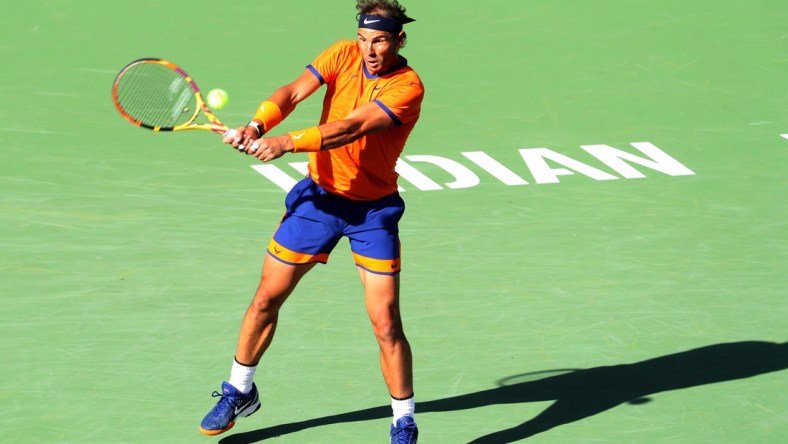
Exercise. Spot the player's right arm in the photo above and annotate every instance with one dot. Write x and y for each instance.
(288, 96)
(285, 98)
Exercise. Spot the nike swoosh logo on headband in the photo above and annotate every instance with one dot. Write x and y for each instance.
(368, 21)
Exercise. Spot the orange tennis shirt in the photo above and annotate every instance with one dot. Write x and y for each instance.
(364, 169)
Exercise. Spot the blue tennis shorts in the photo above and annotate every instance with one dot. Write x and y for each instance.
(315, 220)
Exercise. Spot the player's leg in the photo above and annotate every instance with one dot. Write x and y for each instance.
(239, 395)
(277, 282)
(381, 296)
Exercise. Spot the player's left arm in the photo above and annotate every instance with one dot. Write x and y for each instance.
(398, 105)
(366, 119)
(402, 103)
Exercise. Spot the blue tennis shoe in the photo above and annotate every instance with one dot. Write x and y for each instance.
(405, 431)
(232, 404)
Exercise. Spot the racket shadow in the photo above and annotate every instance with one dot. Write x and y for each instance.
(578, 394)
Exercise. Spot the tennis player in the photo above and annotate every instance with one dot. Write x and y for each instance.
(372, 103)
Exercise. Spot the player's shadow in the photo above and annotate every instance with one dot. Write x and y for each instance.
(578, 394)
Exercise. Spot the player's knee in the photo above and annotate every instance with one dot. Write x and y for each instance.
(388, 331)
(267, 302)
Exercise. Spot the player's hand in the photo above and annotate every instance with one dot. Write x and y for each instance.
(270, 148)
(244, 137)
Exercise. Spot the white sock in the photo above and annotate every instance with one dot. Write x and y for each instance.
(403, 407)
(241, 377)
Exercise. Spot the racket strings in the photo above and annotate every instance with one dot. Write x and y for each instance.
(156, 96)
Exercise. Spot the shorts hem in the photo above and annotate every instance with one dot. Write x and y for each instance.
(385, 273)
(312, 261)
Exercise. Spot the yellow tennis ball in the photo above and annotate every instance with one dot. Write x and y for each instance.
(217, 98)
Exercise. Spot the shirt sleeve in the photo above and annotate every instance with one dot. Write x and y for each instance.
(403, 101)
(326, 66)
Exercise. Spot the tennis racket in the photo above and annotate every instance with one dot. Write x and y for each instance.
(159, 95)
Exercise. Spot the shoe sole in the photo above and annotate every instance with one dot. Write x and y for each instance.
(216, 432)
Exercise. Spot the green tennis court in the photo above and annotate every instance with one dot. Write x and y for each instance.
(594, 250)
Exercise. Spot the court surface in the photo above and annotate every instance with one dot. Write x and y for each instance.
(560, 284)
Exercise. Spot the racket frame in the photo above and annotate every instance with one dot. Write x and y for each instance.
(214, 124)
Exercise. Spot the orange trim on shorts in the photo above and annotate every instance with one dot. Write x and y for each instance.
(293, 257)
(378, 266)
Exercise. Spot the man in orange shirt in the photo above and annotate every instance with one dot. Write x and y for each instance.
(372, 103)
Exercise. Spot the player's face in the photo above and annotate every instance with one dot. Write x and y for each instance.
(379, 48)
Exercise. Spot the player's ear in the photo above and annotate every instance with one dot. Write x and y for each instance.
(401, 38)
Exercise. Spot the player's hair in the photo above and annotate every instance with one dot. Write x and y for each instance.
(384, 8)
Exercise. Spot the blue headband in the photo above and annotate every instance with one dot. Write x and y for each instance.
(380, 23)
